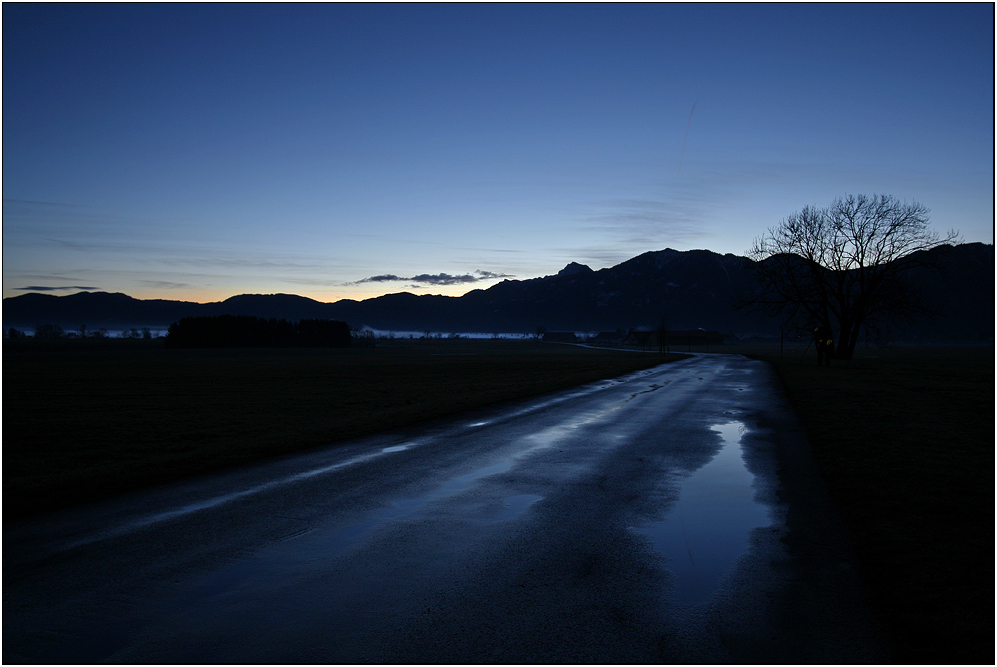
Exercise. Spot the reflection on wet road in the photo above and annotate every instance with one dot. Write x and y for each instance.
(709, 526)
(631, 520)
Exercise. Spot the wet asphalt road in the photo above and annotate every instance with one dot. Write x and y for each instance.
(671, 515)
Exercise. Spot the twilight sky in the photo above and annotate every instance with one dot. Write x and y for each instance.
(197, 151)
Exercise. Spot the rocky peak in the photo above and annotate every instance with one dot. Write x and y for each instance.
(574, 268)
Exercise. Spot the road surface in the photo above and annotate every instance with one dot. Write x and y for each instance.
(670, 515)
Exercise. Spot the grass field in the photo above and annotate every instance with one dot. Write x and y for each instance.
(904, 438)
(83, 420)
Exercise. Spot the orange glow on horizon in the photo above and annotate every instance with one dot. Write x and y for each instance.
(331, 295)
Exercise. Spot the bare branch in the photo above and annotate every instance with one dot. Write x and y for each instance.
(843, 264)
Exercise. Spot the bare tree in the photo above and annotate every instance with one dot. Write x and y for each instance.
(841, 266)
(662, 332)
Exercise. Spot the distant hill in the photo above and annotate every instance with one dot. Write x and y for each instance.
(689, 289)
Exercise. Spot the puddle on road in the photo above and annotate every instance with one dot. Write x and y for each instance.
(708, 528)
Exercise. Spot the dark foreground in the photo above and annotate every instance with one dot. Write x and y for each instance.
(904, 438)
(581, 527)
(87, 419)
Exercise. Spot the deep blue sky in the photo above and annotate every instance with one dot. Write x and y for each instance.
(196, 151)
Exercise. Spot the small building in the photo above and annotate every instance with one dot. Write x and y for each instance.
(607, 338)
(644, 339)
(560, 337)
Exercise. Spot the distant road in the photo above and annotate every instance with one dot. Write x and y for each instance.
(671, 515)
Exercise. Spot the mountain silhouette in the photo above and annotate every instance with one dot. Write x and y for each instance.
(687, 289)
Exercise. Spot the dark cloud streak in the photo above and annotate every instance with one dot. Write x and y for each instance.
(436, 279)
(443, 279)
(41, 288)
(382, 279)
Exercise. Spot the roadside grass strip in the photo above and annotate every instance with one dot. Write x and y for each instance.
(905, 441)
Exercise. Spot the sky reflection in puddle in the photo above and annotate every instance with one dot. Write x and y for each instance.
(708, 528)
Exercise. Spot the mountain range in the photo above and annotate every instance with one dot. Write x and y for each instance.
(689, 289)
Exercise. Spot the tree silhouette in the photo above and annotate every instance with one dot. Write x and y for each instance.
(48, 331)
(842, 266)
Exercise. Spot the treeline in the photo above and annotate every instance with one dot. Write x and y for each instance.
(249, 331)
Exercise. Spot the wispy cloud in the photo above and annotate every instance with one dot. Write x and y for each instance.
(31, 202)
(166, 284)
(402, 241)
(437, 279)
(42, 288)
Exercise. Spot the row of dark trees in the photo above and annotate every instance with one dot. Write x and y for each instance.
(248, 331)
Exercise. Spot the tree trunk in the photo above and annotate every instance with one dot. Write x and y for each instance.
(846, 342)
